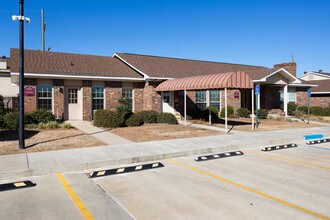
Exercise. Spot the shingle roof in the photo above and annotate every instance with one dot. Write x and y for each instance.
(71, 64)
(322, 85)
(155, 66)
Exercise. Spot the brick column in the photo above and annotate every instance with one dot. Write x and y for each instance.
(138, 96)
(152, 99)
(30, 102)
(59, 98)
(87, 100)
(113, 92)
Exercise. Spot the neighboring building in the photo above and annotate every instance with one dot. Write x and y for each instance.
(8, 90)
(72, 86)
(321, 93)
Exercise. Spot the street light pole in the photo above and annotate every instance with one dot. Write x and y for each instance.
(21, 77)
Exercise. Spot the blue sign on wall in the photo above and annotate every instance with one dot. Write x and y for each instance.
(309, 91)
(257, 90)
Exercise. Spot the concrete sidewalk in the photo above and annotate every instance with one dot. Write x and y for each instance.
(19, 165)
(103, 135)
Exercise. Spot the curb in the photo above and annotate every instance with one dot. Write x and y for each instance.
(116, 162)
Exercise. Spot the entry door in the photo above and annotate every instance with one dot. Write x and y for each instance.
(168, 102)
(73, 102)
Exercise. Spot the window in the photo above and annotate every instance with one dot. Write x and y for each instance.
(292, 96)
(201, 99)
(128, 94)
(45, 97)
(215, 98)
(98, 97)
(166, 97)
(72, 96)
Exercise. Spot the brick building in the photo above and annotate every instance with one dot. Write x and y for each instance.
(321, 93)
(72, 86)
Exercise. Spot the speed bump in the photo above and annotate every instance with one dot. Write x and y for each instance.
(218, 156)
(16, 185)
(318, 141)
(279, 147)
(121, 170)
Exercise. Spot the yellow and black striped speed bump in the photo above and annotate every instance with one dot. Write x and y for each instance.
(318, 141)
(125, 170)
(218, 156)
(16, 185)
(279, 147)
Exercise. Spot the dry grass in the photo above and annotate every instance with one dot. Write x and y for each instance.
(244, 124)
(157, 132)
(46, 140)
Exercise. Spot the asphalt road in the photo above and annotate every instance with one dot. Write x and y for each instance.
(283, 184)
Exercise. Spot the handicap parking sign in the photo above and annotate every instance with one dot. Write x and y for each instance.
(257, 90)
(309, 92)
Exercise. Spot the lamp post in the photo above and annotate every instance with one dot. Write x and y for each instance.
(21, 20)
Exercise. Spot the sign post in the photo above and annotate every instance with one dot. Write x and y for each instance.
(309, 92)
(257, 92)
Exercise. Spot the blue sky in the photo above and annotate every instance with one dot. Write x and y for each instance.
(256, 32)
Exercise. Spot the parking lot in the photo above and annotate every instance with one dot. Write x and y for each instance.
(283, 184)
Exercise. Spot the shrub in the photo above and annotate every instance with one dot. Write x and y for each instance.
(316, 110)
(243, 112)
(291, 108)
(213, 109)
(124, 106)
(41, 115)
(65, 125)
(108, 119)
(2, 123)
(262, 113)
(11, 120)
(135, 120)
(48, 125)
(167, 118)
(303, 109)
(230, 112)
(298, 113)
(326, 111)
(148, 117)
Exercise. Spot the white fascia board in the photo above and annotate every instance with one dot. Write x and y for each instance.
(320, 92)
(79, 77)
(160, 78)
(295, 79)
(302, 85)
(127, 63)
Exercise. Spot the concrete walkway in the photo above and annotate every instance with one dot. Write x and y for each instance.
(103, 135)
(20, 165)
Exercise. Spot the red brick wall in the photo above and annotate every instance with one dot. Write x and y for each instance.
(152, 100)
(59, 98)
(87, 100)
(320, 100)
(138, 96)
(113, 92)
(30, 102)
(302, 97)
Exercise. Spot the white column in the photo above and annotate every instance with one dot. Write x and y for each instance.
(220, 106)
(285, 99)
(226, 120)
(208, 99)
(252, 115)
(185, 107)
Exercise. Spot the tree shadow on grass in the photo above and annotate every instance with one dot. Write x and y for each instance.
(231, 123)
(12, 135)
(63, 138)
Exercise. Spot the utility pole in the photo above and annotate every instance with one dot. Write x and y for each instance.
(21, 19)
(43, 29)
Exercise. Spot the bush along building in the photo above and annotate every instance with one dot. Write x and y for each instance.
(73, 86)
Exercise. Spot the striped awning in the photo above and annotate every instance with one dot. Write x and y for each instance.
(230, 80)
